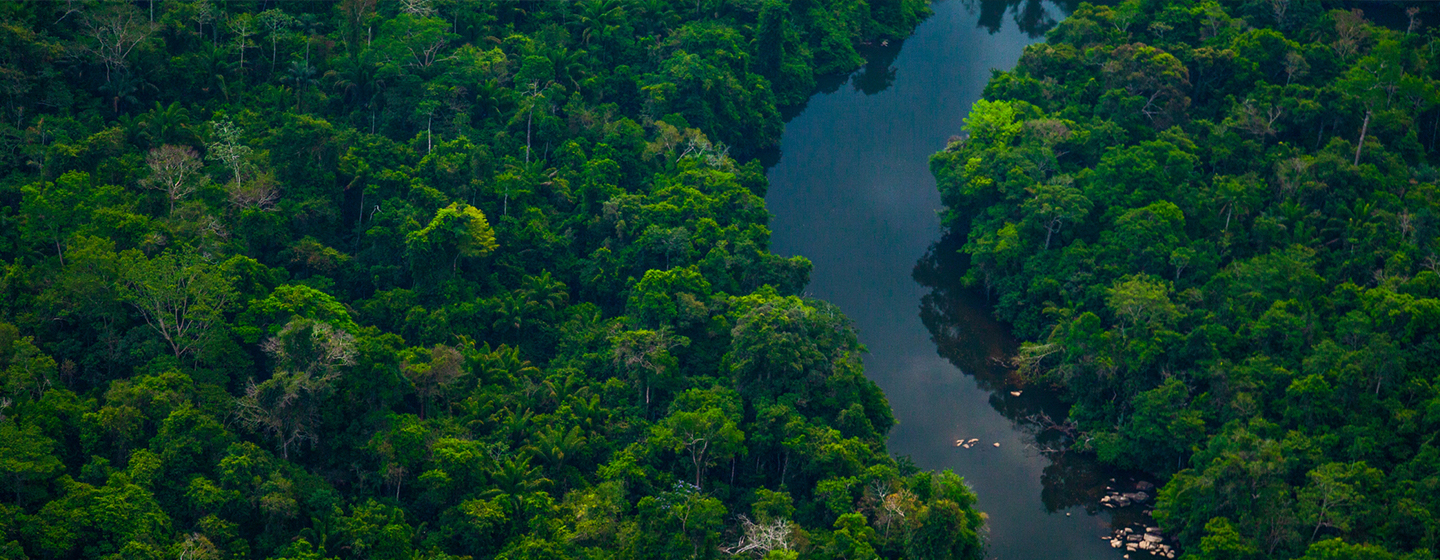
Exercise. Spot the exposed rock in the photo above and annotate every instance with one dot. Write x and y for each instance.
(1115, 543)
(1153, 538)
(1152, 530)
(997, 444)
(1144, 486)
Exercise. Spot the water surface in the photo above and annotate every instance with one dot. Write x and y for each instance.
(852, 191)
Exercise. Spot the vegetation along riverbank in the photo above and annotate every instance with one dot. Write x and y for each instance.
(1218, 226)
(440, 279)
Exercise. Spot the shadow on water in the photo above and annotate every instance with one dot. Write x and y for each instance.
(1033, 17)
(969, 337)
(878, 73)
(875, 76)
(966, 335)
(851, 190)
(1029, 15)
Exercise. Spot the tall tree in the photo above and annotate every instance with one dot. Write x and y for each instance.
(174, 170)
(181, 296)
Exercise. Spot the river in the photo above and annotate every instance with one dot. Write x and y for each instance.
(852, 191)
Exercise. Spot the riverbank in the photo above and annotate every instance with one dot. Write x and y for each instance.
(852, 192)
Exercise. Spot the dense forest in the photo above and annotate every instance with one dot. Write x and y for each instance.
(1217, 224)
(406, 279)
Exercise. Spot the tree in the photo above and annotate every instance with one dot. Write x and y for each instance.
(1159, 433)
(434, 376)
(228, 150)
(300, 77)
(1055, 203)
(115, 30)
(415, 41)
(1372, 79)
(943, 532)
(309, 357)
(1158, 79)
(770, 43)
(278, 24)
(243, 26)
(598, 15)
(174, 170)
(763, 537)
(703, 425)
(458, 230)
(1223, 542)
(644, 355)
(165, 123)
(1333, 491)
(54, 211)
(992, 123)
(25, 455)
(1140, 301)
(24, 369)
(181, 296)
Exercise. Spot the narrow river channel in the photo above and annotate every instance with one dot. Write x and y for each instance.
(852, 191)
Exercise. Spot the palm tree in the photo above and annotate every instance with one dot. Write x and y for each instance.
(656, 15)
(493, 100)
(300, 76)
(544, 291)
(512, 313)
(514, 484)
(602, 15)
(122, 88)
(514, 426)
(567, 64)
(214, 66)
(358, 80)
(504, 365)
(555, 445)
(163, 122)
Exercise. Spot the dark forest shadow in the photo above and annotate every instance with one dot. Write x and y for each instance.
(1033, 17)
(968, 336)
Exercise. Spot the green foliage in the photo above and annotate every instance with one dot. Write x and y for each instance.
(429, 279)
(1194, 215)
(459, 229)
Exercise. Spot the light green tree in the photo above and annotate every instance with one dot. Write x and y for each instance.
(1140, 301)
(181, 297)
(458, 230)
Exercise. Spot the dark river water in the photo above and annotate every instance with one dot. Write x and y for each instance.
(853, 192)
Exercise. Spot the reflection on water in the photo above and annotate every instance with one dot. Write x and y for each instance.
(851, 190)
(878, 74)
(1033, 17)
(967, 335)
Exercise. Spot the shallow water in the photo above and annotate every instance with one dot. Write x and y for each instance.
(852, 191)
